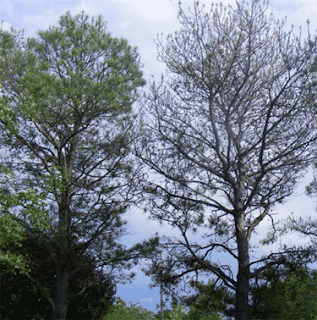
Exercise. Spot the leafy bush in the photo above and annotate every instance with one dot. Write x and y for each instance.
(120, 311)
(178, 313)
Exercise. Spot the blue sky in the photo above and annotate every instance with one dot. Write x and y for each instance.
(140, 21)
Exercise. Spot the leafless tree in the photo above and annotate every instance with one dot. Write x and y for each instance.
(227, 133)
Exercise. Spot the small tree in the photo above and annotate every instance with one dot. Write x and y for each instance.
(70, 92)
(228, 133)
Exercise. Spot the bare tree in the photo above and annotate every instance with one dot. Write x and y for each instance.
(228, 133)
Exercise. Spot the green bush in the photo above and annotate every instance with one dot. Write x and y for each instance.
(120, 311)
(178, 313)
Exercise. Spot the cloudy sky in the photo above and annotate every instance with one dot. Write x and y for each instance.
(140, 21)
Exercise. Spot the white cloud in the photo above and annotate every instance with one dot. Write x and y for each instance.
(147, 300)
(154, 10)
(6, 25)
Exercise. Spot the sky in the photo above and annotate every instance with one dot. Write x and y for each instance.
(140, 21)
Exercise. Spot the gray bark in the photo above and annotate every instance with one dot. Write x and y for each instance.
(242, 291)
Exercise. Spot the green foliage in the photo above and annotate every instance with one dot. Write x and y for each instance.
(290, 294)
(120, 311)
(209, 317)
(11, 233)
(29, 204)
(7, 114)
(23, 73)
(178, 313)
(208, 301)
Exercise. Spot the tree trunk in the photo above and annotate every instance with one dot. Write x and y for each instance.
(62, 260)
(242, 292)
(61, 290)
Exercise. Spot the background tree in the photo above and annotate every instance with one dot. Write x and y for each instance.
(70, 91)
(285, 293)
(228, 132)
